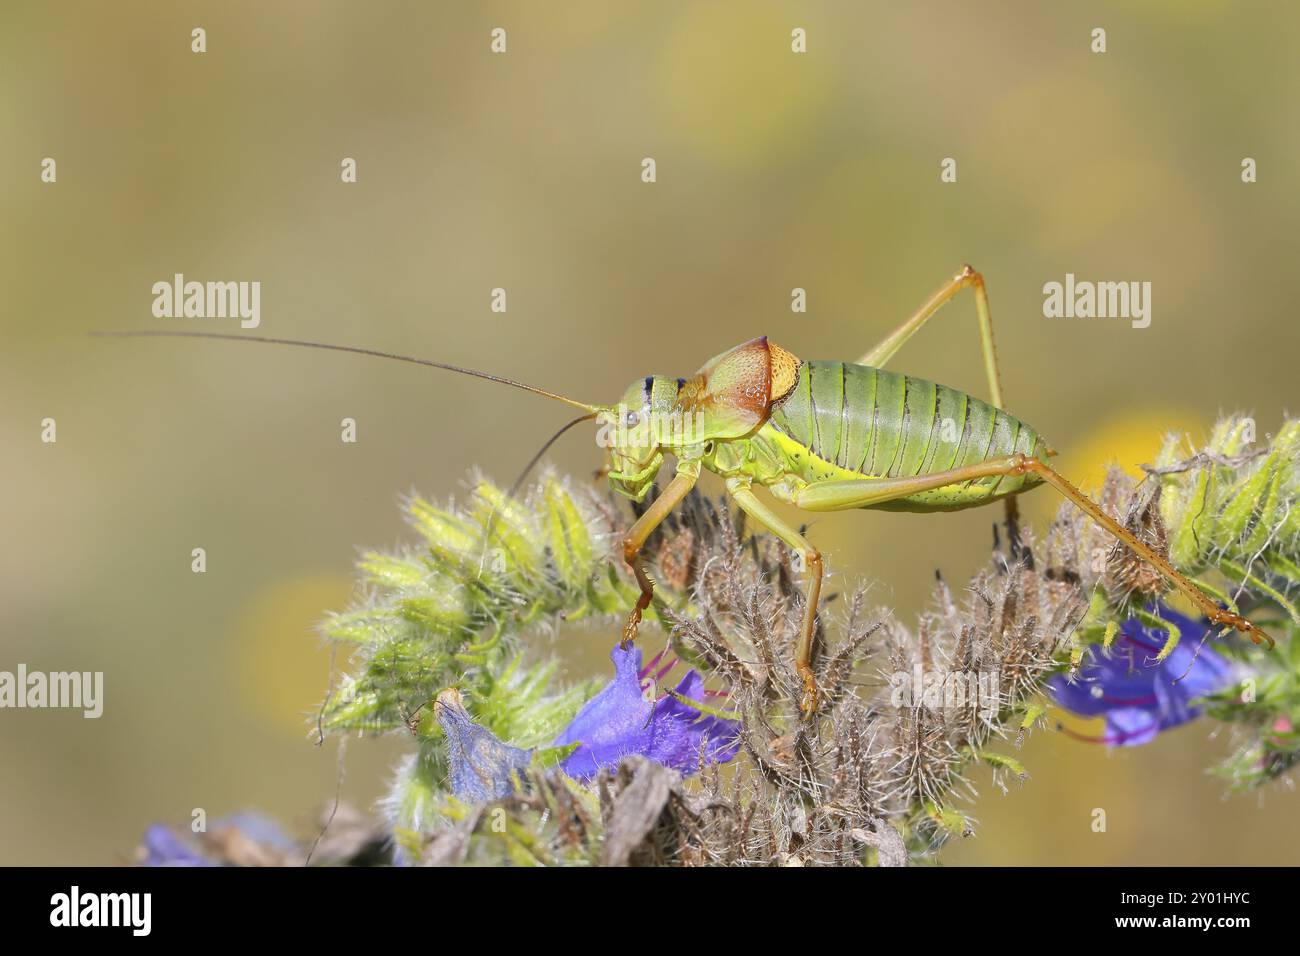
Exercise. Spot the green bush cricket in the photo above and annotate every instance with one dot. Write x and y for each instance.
(823, 436)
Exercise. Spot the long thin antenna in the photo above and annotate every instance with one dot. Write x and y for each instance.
(233, 337)
(543, 450)
(532, 463)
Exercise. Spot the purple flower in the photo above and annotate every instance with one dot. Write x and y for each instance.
(627, 717)
(240, 839)
(1137, 696)
(481, 766)
(161, 846)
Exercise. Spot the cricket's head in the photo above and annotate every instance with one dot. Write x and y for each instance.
(729, 398)
(631, 433)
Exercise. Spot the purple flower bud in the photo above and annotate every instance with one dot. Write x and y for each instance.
(481, 766)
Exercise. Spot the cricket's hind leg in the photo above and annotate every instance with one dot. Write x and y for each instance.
(864, 493)
(966, 278)
(1207, 606)
(884, 350)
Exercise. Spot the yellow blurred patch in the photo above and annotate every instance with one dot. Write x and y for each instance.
(1074, 726)
(1129, 441)
(284, 666)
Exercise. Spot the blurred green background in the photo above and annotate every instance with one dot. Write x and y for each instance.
(522, 171)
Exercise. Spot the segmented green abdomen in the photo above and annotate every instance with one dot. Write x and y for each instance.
(876, 423)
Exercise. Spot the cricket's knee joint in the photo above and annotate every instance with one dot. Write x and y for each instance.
(630, 550)
(813, 560)
(970, 275)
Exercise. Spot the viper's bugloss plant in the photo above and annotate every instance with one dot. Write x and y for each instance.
(883, 772)
(450, 613)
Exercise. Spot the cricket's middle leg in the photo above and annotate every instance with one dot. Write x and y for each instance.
(739, 489)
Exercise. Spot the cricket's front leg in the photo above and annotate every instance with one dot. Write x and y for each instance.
(687, 475)
(739, 489)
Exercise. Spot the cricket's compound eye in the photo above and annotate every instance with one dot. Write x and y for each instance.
(633, 419)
